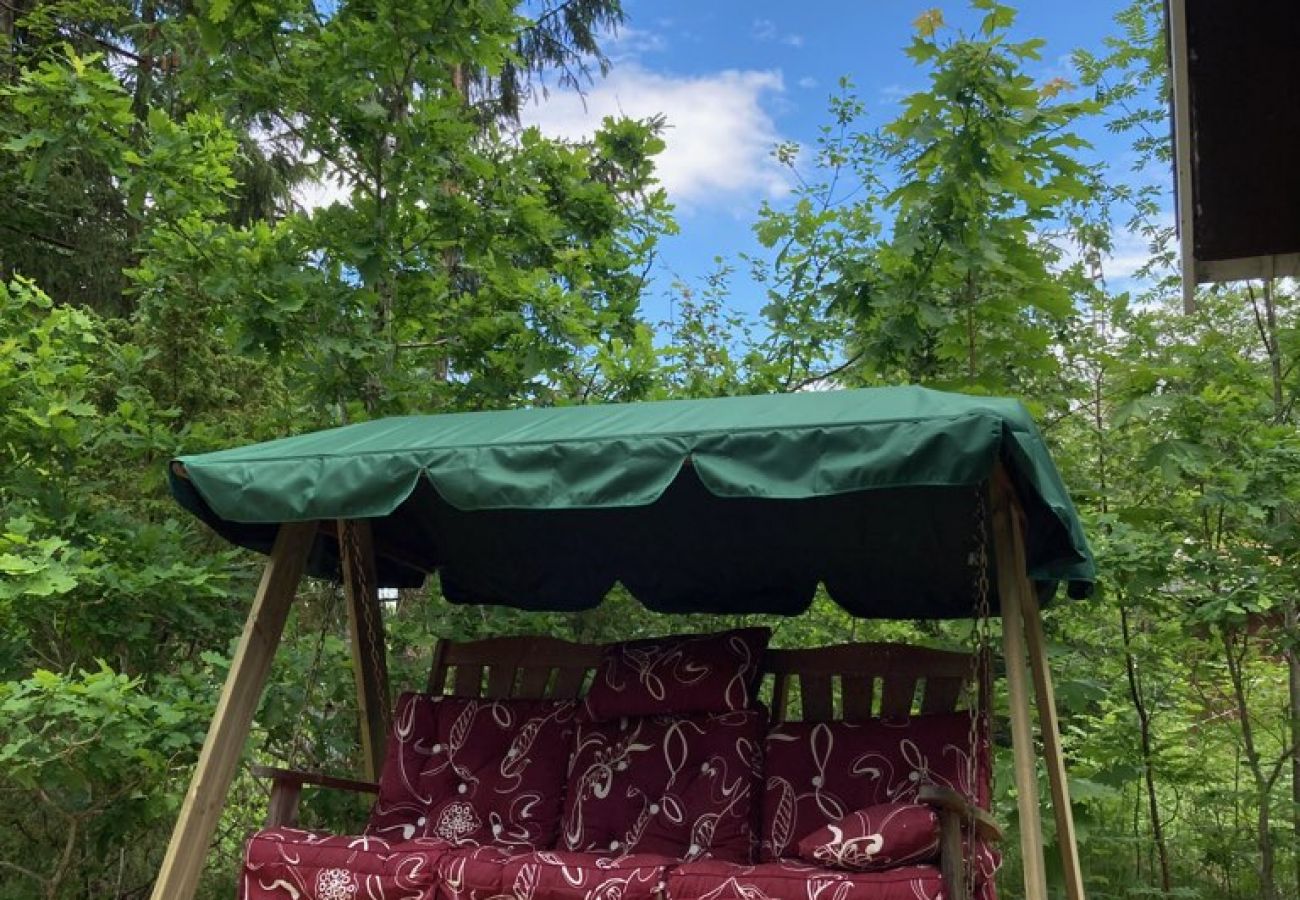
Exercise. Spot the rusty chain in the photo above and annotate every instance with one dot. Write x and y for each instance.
(977, 703)
(369, 603)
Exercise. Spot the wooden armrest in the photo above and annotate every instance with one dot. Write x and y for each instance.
(948, 800)
(286, 787)
(291, 776)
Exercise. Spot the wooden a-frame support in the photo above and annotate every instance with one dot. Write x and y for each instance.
(242, 693)
(183, 863)
(1022, 628)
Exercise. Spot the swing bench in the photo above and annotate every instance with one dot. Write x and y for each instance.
(683, 767)
(917, 708)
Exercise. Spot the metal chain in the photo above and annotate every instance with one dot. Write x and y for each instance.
(977, 705)
(313, 674)
(368, 603)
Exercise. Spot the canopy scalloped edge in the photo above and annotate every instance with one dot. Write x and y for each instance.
(769, 448)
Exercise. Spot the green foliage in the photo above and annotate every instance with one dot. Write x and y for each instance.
(932, 251)
(964, 291)
(162, 286)
(1131, 81)
(85, 752)
(90, 574)
(161, 289)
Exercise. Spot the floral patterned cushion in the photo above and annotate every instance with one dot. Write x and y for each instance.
(682, 786)
(669, 675)
(472, 873)
(794, 880)
(818, 772)
(475, 772)
(292, 864)
(878, 837)
(560, 875)
(985, 862)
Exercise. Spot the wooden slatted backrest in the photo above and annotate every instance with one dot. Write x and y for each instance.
(843, 682)
(526, 667)
(868, 681)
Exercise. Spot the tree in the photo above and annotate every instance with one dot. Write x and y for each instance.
(986, 164)
(219, 314)
(983, 181)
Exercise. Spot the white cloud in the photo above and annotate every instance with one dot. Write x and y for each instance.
(1131, 251)
(895, 93)
(1061, 68)
(719, 135)
(765, 30)
(312, 195)
(327, 188)
(807, 82)
(631, 43)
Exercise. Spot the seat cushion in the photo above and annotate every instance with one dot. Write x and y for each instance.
(475, 772)
(563, 875)
(985, 861)
(292, 864)
(681, 786)
(817, 772)
(794, 880)
(473, 873)
(681, 674)
(877, 837)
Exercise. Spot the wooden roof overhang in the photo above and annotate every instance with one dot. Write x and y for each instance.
(1236, 112)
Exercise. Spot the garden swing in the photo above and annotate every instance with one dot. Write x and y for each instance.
(902, 503)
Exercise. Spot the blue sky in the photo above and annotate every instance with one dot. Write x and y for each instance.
(733, 78)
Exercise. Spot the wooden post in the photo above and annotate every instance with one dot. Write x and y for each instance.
(952, 854)
(1184, 191)
(1010, 579)
(282, 811)
(366, 627)
(1052, 755)
(183, 864)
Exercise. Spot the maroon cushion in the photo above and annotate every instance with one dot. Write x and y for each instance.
(292, 864)
(475, 771)
(561, 875)
(818, 772)
(793, 880)
(682, 786)
(471, 873)
(694, 673)
(878, 837)
(986, 860)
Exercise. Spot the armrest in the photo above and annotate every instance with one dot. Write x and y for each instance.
(948, 800)
(291, 776)
(286, 787)
(955, 814)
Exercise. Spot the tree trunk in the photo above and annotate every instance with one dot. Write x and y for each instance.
(1292, 632)
(1268, 332)
(140, 102)
(1148, 764)
(1263, 785)
(7, 16)
(972, 368)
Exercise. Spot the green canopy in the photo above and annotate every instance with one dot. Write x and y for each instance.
(740, 504)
